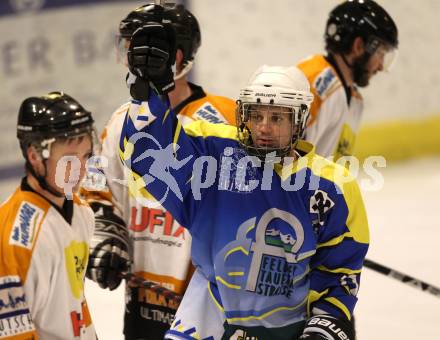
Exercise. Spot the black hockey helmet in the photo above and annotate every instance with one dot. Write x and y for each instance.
(188, 36)
(359, 18)
(43, 120)
(53, 115)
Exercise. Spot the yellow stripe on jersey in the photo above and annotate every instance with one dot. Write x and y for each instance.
(347, 271)
(335, 302)
(214, 299)
(313, 297)
(204, 129)
(176, 135)
(227, 284)
(269, 313)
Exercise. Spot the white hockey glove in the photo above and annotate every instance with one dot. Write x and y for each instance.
(108, 248)
(327, 327)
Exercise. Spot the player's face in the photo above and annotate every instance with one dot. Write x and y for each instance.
(381, 60)
(270, 126)
(60, 170)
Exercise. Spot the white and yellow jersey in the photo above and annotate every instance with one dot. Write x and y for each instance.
(334, 118)
(160, 246)
(43, 262)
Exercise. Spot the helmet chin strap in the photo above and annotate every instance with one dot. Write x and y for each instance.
(42, 179)
(188, 66)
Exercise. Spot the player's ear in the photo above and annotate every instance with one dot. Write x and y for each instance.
(179, 59)
(33, 156)
(358, 47)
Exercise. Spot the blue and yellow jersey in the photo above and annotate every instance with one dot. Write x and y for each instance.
(42, 267)
(275, 243)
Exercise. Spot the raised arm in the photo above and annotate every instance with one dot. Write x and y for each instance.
(153, 144)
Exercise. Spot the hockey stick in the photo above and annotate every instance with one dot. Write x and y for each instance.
(409, 280)
(156, 288)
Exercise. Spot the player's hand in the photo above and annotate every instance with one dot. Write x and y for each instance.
(151, 58)
(108, 248)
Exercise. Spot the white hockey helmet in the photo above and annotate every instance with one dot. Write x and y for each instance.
(286, 88)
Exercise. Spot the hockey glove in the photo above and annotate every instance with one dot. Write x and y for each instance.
(151, 58)
(327, 327)
(108, 248)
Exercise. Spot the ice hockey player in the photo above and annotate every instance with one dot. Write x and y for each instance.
(274, 260)
(360, 40)
(159, 246)
(45, 228)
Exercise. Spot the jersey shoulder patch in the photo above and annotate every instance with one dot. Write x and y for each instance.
(25, 225)
(326, 82)
(208, 112)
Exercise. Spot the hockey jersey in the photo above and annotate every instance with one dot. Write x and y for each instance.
(269, 250)
(160, 245)
(336, 111)
(43, 261)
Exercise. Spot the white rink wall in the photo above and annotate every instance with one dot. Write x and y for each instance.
(72, 48)
(240, 35)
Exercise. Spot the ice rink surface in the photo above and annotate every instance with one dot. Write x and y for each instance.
(404, 219)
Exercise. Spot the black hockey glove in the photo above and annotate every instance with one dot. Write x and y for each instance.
(151, 58)
(108, 248)
(327, 327)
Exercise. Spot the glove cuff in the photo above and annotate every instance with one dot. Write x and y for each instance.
(327, 327)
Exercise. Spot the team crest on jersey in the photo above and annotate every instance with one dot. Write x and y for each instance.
(25, 225)
(76, 256)
(209, 113)
(15, 317)
(324, 83)
(274, 254)
(320, 204)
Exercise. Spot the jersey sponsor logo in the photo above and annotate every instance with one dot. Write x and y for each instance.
(322, 84)
(155, 221)
(25, 225)
(274, 250)
(15, 317)
(80, 320)
(76, 256)
(154, 298)
(209, 113)
(157, 315)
